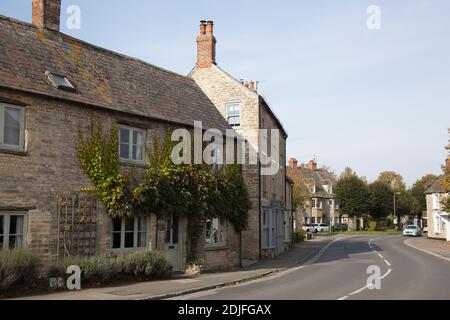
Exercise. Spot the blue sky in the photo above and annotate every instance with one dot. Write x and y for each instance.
(372, 100)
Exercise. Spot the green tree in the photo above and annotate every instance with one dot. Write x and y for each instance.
(393, 180)
(446, 182)
(418, 192)
(380, 200)
(352, 194)
(300, 191)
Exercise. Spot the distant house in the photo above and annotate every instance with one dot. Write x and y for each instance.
(438, 220)
(321, 206)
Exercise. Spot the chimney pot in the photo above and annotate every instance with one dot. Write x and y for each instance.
(293, 163)
(210, 27)
(312, 164)
(202, 27)
(251, 85)
(46, 14)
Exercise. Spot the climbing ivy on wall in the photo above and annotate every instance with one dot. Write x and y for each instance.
(99, 159)
(194, 191)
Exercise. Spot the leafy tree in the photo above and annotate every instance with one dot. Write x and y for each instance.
(418, 192)
(352, 194)
(393, 180)
(300, 191)
(380, 200)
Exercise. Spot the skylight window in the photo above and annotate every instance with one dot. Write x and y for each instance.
(59, 81)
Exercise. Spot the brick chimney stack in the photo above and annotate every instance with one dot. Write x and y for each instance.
(312, 164)
(206, 45)
(46, 14)
(293, 163)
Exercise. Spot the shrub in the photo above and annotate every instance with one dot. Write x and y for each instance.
(144, 265)
(140, 265)
(301, 235)
(17, 268)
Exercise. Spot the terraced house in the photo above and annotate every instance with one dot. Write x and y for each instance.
(322, 206)
(269, 232)
(51, 87)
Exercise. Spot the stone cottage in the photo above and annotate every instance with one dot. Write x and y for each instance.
(249, 113)
(51, 87)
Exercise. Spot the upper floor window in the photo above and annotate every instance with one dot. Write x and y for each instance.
(12, 230)
(131, 144)
(436, 201)
(234, 114)
(11, 127)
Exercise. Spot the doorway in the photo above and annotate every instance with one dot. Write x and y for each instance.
(172, 247)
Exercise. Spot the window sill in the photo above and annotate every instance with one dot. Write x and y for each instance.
(14, 152)
(130, 250)
(133, 164)
(216, 247)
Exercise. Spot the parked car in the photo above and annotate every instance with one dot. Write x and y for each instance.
(412, 231)
(340, 227)
(310, 227)
(323, 227)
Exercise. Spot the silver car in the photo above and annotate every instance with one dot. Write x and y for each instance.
(412, 231)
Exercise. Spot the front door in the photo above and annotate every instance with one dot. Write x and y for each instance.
(172, 243)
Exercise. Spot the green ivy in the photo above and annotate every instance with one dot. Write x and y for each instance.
(99, 159)
(194, 191)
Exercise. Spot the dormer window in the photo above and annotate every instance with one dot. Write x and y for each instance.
(60, 81)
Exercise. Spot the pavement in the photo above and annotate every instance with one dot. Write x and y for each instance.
(344, 270)
(179, 285)
(437, 248)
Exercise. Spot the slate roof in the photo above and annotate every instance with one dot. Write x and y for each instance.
(320, 177)
(436, 187)
(103, 78)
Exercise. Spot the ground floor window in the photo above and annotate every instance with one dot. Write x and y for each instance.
(130, 232)
(216, 232)
(12, 230)
(313, 219)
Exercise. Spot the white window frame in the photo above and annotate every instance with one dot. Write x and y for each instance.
(222, 228)
(6, 226)
(135, 234)
(437, 222)
(130, 144)
(12, 147)
(436, 201)
(227, 107)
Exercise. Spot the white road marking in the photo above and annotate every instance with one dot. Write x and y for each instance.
(381, 278)
(265, 278)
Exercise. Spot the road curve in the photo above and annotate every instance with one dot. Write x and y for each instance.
(341, 273)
